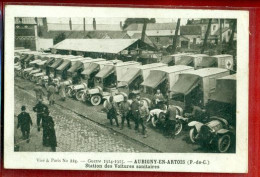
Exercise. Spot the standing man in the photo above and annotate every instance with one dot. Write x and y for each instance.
(144, 113)
(171, 114)
(39, 92)
(49, 134)
(51, 92)
(125, 112)
(63, 91)
(135, 112)
(39, 108)
(111, 110)
(24, 121)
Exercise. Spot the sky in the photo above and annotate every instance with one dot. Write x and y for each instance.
(78, 20)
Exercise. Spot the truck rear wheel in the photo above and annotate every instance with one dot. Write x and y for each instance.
(193, 134)
(178, 127)
(95, 100)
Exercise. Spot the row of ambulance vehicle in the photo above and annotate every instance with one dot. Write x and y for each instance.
(185, 79)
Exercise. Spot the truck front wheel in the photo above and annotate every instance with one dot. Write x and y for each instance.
(95, 100)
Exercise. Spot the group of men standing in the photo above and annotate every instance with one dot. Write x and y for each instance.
(43, 120)
(139, 112)
(136, 110)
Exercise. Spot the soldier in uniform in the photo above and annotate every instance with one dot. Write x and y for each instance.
(111, 110)
(24, 121)
(49, 134)
(144, 113)
(135, 112)
(158, 99)
(39, 108)
(170, 119)
(62, 91)
(125, 112)
(39, 92)
(51, 92)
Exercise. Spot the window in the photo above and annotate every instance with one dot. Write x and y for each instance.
(229, 33)
(214, 27)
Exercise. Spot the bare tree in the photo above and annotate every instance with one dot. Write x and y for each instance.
(206, 36)
(175, 37)
(231, 39)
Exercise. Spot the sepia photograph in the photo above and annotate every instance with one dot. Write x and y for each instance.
(125, 84)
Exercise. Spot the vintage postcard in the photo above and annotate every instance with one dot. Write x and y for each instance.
(126, 89)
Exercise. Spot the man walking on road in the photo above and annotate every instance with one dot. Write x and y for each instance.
(49, 134)
(39, 92)
(39, 108)
(51, 92)
(24, 121)
(62, 91)
(111, 110)
(125, 112)
(135, 112)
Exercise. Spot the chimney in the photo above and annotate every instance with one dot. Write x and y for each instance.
(94, 24)
(70, 24)
(84, 24)
(121, 26)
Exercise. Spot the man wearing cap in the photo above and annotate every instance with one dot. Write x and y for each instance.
(111, 110)
(158, 98)
(171, 114)
(135, 112)
(39, 92)
(51, 92)
(39, 108)
(144, 113)
(24, 121)
(125, 111)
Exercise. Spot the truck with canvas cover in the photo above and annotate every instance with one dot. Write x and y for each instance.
(134, 76)
(220, 61)
(44, 66)
(170, 60)
(190, 60)
(162, 79)
(193, 88)
(106, 80)
(85, 77)
(219, 130)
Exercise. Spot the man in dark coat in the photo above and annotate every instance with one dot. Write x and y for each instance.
(135, 112)
(171, 114)
(125, 113)
(24, 121)
(49, 134)
(111, 110)
(39, 108)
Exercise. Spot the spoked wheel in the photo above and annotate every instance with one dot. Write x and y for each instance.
(95, 100)
(79, 95)
(26, 76)
(178, 127)
(193, 134)
(224, 143)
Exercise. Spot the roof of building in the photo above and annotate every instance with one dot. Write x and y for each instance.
(80, 27)
(146, 38)
(95, 45)
(25, 20)
(201, 21)
(151, 26)
(190, 30)
(107, 35)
